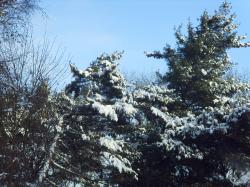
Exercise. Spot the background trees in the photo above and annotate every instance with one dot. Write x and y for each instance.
(27, 109)
(27, 114)
(14, 16)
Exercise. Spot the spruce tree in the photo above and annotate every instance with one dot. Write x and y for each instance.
(199, 63)
(92, 147)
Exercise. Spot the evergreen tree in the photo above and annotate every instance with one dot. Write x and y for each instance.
(93, 146)
(199, 63)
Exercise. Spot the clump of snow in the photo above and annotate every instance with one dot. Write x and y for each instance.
(79, 118)
(128, 109)
(105, 110)
(204, 72)
(238, 179)
(122, 164)
(159, 113)
(111, 143)
(85, 137)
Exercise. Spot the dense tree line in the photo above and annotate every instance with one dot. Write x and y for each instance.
(189, 128)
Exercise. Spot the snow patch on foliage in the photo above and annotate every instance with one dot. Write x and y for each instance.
(105, 110)
(111, 144)
(204, 72)
(122, 164)
(238, 179)
(128, 109)
(159, 114)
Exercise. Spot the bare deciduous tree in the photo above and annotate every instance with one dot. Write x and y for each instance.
(14, 16)
(27, 74)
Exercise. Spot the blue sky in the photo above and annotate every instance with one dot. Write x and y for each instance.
(87, 28)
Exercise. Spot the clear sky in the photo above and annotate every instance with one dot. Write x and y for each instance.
(87, 28)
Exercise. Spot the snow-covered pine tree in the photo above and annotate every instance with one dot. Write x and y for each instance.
(93, 148)
(208, 149)
(205, 149)
(199, 63)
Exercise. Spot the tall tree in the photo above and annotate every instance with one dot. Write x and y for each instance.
(93, 144)
(199, 63)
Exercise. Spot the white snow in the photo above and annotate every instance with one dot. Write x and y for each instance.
(128, 109)
(204, 72)
(111, 144)
(85, 137)
(159, 113)
(105, 110)
(236, 179)
(122, 164)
